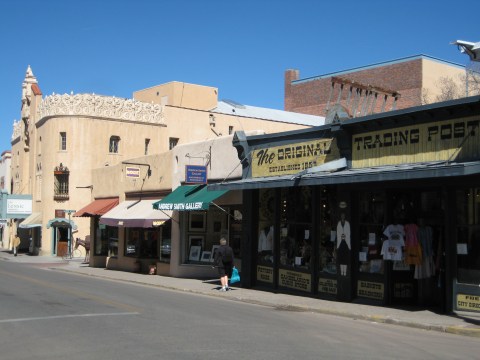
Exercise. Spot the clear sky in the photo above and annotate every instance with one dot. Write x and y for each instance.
(115, 47)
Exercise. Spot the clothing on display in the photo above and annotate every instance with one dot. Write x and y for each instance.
(392, 248)
(413, 250)
(265, 239)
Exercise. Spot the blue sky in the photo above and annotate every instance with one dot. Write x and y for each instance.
(115, 47)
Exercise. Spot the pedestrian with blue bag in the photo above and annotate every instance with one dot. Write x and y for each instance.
(223, 258)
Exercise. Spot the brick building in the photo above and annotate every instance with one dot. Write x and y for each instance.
(397, 84)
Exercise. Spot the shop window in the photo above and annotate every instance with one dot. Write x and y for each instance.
(114, 144)
(372, 212)
(63, 141)
(166, 241)
(468, 235)
(61, 178)
(327, 226)
(142, 243)
(204, 231)
(295, 227)
(266, 213)
(106, 240)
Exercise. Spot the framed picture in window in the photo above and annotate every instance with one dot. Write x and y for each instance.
(206, 255)
(194, 253)
(212, 253)
(196, 240)
(197, 221)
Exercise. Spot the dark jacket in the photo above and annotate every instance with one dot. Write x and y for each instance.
(223, 255)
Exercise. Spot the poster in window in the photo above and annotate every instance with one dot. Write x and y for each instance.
(196, 240)
(194, 253)
(206, 255)
(214, 250)
(197, 221)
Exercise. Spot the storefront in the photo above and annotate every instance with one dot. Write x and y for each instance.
(201, 219)
(382, 209)
(135, 237)
(105, 238)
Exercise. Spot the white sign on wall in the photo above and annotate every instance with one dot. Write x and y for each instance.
(19, 206)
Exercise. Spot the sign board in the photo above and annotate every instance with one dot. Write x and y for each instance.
(18, 206)
(195, 174)
(293, 158)
(452, 139)
(468, 302)
(265, 274)
(328, 286)
(370, 290)
(295, 280)
(132, 172)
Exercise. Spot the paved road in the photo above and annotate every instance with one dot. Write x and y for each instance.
(48, 314)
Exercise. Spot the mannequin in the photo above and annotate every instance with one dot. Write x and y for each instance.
(343, 244)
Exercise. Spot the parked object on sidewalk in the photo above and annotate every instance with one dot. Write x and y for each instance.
(235, 276)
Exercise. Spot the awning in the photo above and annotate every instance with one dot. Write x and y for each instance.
(97, 208)
(61, 222)
(33, 220)
(188, 198)
(135, 213)
(402, 172)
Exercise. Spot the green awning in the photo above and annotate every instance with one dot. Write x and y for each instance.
(188, 198)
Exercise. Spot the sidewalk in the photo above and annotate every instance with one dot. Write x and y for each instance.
(464, 323)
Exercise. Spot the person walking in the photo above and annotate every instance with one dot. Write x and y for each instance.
(223, 258)
(15, 244)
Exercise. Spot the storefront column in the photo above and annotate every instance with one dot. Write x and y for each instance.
(248, 250)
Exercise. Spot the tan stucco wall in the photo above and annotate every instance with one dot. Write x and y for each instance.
(180, 94)
(432, 71)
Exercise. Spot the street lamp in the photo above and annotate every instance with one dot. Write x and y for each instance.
(69, 244)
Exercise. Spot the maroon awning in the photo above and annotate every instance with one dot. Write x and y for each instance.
(97, 207)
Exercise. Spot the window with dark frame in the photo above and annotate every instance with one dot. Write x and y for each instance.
(114, 144)
(147, 142)
(172, 142)
(63, 141)
(61, 178)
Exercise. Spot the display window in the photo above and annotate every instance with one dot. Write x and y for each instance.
(265, 229)
(296, 228)
(106, 240)
(204, 229)
(142, 243)
(468, 235)
(372, 217)
(166, 241)
(327, 233)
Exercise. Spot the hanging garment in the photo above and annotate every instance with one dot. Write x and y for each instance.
(413, 250)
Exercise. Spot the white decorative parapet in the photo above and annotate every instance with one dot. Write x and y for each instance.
(100, 106)
(17, 129)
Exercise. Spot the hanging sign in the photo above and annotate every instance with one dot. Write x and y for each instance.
(132, 172)
(195, 174)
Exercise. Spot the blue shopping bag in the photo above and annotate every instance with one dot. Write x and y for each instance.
(235, 276)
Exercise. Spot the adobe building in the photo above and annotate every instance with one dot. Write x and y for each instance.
(149, 214)
(392, 85)
(61, 138)
(379, 209)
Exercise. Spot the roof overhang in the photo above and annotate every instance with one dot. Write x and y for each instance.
(135, 213)
(416, 171)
